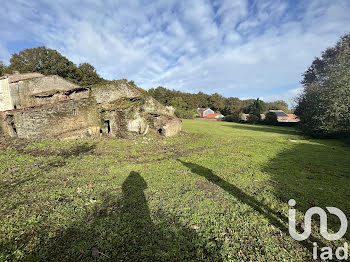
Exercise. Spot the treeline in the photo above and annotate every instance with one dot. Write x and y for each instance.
(324, 105)
(185, 104)
(50, 62)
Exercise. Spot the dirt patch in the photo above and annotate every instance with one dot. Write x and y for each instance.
(209, 190)
(76, 150)
(8, 143)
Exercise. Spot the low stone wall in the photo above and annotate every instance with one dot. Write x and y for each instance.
(172, 127)
(111, 91)
(70, 118)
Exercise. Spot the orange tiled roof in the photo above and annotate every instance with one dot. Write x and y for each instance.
(211, 115)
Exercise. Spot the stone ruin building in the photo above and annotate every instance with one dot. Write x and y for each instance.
(34, 106)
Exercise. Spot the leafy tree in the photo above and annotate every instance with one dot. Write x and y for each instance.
(50, 62)
(253, 119)
(87, 75)
(324, 105)
(177, 102)
(232, 106)
(258, 107)
(271, 119)
(202, 100)
(278, 105)
(187, 114)
(185, 104)
(216, 102)
(2, 68)
(234, 117)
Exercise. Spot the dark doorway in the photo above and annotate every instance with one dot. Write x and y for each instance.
(108, 126)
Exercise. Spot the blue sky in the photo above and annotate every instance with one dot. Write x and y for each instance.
(237, 48)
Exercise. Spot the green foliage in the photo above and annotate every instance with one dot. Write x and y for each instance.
(216, 102)
(186, 103)
(234, 117)
(186, 114)
(278, 105)
(271, 119)
(232, 106)
(86, 75)
(324, 105)
(253, 119)
(257, 108)
(2, 68)
(50, 62)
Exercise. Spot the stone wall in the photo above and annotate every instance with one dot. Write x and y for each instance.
(5, 98)
(164, 125)
(59, 95)
(23, 92)
(112, 91)
(22, 76)
(72, 118)
(171, 127)
(51, 107)
(114, 123)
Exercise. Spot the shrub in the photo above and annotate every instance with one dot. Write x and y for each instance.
(235, 117)
(252, 119)
(271, 119)
(183, 113)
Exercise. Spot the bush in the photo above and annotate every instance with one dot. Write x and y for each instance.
(232, 118)
(183, 113)
(252, 119)
(271, 119)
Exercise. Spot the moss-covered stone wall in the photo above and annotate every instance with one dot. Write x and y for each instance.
(59, 120)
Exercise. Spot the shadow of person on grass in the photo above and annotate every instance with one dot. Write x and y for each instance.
(122, 229)
(275, 218)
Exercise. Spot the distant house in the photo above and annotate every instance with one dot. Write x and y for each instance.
(244, 117)
(204, 111)
(282, 117)
(214, 116)
(208, 113)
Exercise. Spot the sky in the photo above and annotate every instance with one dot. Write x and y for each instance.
(240, 48)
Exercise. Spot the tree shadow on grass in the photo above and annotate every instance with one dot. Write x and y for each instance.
(314, 174)
(121, 229)
(275, 218)
(265, 128)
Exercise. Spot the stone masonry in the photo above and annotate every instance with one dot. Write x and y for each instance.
(33, 106)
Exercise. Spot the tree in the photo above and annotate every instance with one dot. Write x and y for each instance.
(50, 62)
(232, 106)
(216, 102)
(271, 119)
(258, 107)
(2, 68)
(253, 119)
(324, 105)
(278, 105)
(86, 75)
(234, 117)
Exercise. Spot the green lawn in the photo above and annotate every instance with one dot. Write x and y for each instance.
(218, 191)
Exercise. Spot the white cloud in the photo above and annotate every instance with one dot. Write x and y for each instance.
(230, 47)
(289, 97)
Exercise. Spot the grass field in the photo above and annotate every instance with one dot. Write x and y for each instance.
(217, 192)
